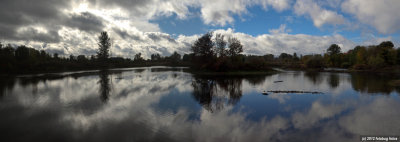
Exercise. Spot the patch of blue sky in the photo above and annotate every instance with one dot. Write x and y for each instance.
(258, 21)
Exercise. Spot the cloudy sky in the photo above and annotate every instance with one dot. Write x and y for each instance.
(164, 26)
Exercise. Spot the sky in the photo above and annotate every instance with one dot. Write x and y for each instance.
(165, 26)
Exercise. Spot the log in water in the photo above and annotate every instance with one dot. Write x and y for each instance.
(297, 92)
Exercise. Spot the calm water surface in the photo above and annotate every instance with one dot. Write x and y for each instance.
(167, 104)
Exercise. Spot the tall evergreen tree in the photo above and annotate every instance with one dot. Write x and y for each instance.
(104, 46)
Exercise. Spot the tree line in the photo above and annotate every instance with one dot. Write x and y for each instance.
(221, 55)
(208, 52)
(364, 57)
(24, 59)
(372, 57)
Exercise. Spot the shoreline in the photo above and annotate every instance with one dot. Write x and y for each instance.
(395, 70)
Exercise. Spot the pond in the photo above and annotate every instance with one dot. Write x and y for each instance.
(169, 104)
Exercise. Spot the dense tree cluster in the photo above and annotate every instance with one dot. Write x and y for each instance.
(222, 55)
(364, 57)
(371, 57)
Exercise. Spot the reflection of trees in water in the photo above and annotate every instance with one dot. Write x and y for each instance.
(296, 74)
(9, 82)
(314, 77)
(202, 91)
(232, 87)
(6, 84)
(139, 70)
(255, 80)
(372, 83)
(214, 93)
(104, 82)
(165, 69)
(334, 80)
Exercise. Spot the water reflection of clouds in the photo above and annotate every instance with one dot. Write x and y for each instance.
(314, 115)
(301, 81)
(128, 114)
(281, 98)
(380, 117)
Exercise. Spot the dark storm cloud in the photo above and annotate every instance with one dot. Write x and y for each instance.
(154, 37)
(157, 37)
(31, 34)
(86, 21)
(21, 12)
(18, 19)
(15, 14)
(125, 35)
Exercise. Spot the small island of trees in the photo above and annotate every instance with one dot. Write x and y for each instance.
(209, 53)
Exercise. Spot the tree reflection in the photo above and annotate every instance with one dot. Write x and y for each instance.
(214, 93)
(371, 83)
(231, 87)
(139, 70)
(105, 88)
(6, 84)
(334, 80)
(314, 77)
(255, 80)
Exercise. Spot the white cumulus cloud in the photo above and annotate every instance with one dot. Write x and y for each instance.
(381, 14)
(319, 15)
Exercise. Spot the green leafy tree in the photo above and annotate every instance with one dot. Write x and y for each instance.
(187, 57)
(72, 57)
(314, 61)
(285, 57)
(398, 56)
(22, 53)
(295, 57)
(8, 51)
(138, 57)
(235, 47)
(361, 56)
(385, 49)
(203, 47)
(334, 49)
(376, 61)
(386, 44)
(175, 57)
(268, 57)
(55, 55)
(334, 57)
(391, 58)
(220, 45)
(203, 51)
(81, 58)
(155, 57)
